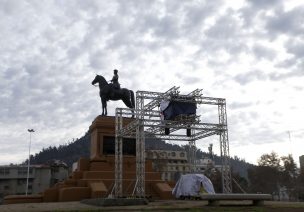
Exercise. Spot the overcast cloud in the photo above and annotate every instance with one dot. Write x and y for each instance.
(249, 52)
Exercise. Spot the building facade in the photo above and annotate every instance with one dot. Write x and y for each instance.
(172, 164)
(203, 164)
(13, 178)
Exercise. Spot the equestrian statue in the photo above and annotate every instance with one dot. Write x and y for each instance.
(112, 91)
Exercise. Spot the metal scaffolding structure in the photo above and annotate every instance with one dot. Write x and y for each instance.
(148, 123)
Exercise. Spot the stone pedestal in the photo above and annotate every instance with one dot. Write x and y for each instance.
(101, 127)
(94, 176)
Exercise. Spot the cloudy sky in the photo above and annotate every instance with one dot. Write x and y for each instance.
(250, 52)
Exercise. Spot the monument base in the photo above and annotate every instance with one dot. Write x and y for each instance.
(94, 177)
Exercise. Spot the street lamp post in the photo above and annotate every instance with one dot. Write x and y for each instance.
(28, 162)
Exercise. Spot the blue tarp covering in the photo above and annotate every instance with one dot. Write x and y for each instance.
(176, 108)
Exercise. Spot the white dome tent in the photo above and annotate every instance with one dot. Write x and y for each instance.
(191, 185)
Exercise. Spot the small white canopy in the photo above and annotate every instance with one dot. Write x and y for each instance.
(190, 185)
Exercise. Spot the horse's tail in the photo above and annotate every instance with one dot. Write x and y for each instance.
(132, 99)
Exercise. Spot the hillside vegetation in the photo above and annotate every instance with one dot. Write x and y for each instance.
(71, 152)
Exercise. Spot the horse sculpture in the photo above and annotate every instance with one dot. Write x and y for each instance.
(108, 92)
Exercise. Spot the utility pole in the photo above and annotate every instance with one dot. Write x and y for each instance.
(28, 162)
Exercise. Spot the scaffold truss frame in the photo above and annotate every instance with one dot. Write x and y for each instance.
(148, 123)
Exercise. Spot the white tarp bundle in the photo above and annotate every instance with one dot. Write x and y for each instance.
(190, 185)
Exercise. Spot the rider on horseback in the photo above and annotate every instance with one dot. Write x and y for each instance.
(114, 80)
(108, 92)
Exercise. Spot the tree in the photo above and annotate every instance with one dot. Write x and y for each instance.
(265, 177)
(300, 187)
(289, 166)
(270, 160)
(272, 177)
(289, 176)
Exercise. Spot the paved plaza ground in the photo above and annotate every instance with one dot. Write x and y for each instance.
(172, 205)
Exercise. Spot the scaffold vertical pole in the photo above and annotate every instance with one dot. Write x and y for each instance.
(192, 155)
(224, 146)
(118, 153)
(140, 147)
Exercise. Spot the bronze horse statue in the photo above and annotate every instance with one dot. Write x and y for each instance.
(108, 92)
